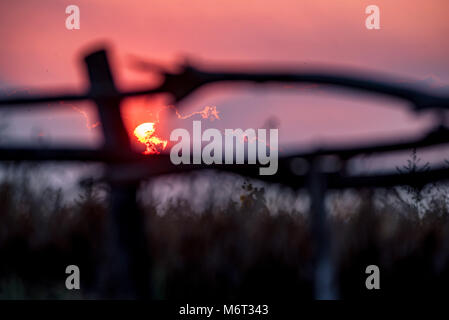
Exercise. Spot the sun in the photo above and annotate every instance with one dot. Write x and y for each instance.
(145, 133)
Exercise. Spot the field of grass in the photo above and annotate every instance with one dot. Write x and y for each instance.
(241, 249)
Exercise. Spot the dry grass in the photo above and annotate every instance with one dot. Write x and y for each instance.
(242, 250)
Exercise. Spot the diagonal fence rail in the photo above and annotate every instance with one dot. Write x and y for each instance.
(125, 269)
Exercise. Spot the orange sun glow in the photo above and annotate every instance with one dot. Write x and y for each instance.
(145, 133)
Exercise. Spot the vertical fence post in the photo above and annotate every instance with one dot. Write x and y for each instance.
(125, 269)
(324, 276)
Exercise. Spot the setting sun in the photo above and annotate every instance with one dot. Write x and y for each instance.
(145, 133)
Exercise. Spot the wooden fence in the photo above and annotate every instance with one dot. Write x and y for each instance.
(126, 264)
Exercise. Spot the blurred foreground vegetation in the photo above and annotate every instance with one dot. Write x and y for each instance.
(239, 249)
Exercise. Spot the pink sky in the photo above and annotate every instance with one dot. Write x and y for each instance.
(37, 51)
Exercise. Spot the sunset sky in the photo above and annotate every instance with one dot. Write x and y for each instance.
(38, 52)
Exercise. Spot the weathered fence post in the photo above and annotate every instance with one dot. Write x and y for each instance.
(324, 277)
(125, 273)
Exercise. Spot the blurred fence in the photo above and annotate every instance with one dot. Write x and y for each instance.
(125, 269)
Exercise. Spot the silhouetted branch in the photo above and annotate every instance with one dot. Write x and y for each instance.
(181, 84)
